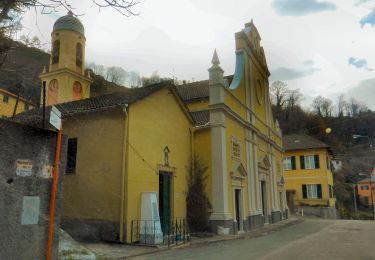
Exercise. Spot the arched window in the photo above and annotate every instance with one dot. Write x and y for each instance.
(53, 92)
(77, 91)
(55, 52)
(79, 55)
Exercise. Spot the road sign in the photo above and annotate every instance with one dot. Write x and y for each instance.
(55, 118)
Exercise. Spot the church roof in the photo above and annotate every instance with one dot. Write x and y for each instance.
(294, 142)
(201, 117)
(198, 90)
(103, 102)
(70, 23)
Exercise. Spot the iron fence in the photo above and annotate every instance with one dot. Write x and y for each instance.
(159, 232)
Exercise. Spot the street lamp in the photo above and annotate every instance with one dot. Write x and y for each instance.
(371, 192)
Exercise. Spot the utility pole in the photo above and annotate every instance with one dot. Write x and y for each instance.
(355, 199)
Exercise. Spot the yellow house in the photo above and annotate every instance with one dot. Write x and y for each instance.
(308, 175)
(9, 102)
(124, 146)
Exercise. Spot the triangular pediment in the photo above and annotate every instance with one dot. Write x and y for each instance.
(264, 163)
(238, 171)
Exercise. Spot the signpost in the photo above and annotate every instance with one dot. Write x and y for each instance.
(54, 120)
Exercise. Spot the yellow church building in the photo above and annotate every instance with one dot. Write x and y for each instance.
(128, 152)
(308, 176)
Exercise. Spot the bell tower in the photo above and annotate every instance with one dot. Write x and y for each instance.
(66, 80)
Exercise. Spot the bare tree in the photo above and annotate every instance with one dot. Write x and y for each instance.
(116, 75)
(323, 106)
(279, 91)
(341, 105)
(293, 98)
(355, 107)
(98, 69)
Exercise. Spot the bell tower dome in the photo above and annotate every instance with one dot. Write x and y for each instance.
(65, 80)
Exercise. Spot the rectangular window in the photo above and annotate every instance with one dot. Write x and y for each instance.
(309, 161)
(5, 98)
(72, 156)
(289, 163)
(26, 107)
(236, 148)
(364, 187)
(312, 191)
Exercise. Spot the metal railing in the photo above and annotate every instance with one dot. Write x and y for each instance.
(159, 232)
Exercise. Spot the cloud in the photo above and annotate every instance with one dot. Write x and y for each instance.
(359, 2)
(369, 19)
(284, 73)
(301, 7)
(359, 63)
(364, 91)
(308, 63)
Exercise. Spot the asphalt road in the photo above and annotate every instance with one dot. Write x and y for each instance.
(312, 239)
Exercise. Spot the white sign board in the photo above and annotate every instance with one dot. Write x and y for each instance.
(150, 228)
(55, 118)
(30, 210)
(24, 168)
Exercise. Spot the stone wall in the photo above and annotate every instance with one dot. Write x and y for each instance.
(322, 212)
(26, 159)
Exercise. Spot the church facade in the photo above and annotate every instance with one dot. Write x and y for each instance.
(142, 140)
(238, 138)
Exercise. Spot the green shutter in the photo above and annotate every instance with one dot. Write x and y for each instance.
(319, 190)
(316, 159)
(302, 160)
(293, 160)
(304, 191)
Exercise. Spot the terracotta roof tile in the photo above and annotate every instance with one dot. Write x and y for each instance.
(201, 117)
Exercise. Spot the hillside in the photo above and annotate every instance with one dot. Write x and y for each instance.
(23, 66)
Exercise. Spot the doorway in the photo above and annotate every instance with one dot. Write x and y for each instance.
(290, 200)
(264, 201)
(237, 204)
(165, 201)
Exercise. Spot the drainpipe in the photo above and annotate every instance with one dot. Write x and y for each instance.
(192, 132)
(123, 173)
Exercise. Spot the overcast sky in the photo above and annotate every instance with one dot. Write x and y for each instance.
(323, 47)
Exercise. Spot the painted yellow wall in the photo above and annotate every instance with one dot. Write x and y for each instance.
(93, 192)
(295, 178)
(235, 130)
(65, 79)
(166, 125)
(202, 150)
(7, 108)
(68, 41)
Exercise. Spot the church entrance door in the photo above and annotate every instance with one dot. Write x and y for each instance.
(165, 200)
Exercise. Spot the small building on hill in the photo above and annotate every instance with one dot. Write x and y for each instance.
(308, 175)
(366, 190)
(11, 104)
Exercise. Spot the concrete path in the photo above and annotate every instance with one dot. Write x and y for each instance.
(312, 239)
